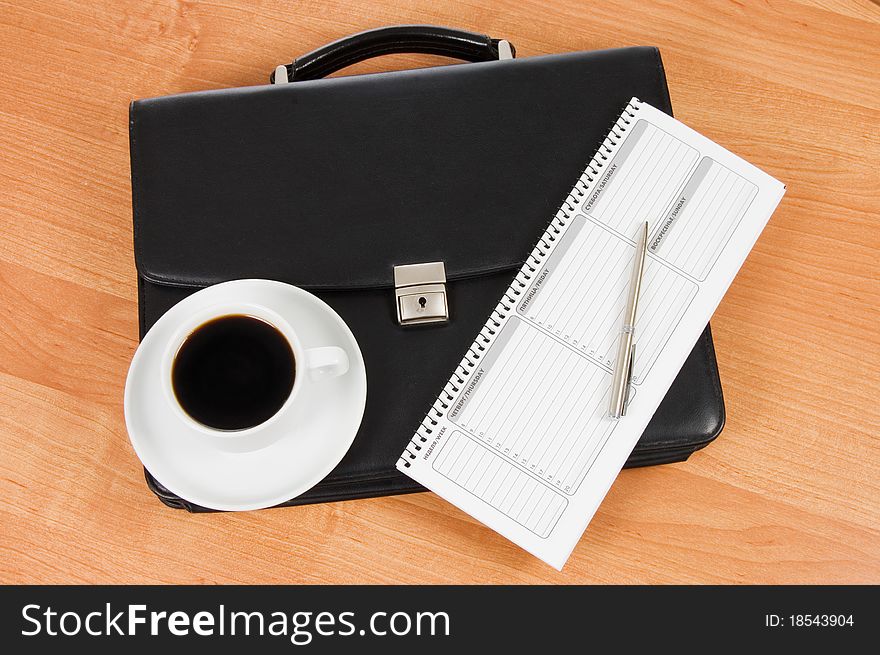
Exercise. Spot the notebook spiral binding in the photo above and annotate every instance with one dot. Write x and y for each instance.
(522, 280)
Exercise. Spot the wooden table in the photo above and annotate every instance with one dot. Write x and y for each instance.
(790, 492)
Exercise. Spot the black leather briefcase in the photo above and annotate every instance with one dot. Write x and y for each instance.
(327, 184)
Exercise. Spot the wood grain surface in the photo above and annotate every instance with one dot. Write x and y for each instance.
(790, 492)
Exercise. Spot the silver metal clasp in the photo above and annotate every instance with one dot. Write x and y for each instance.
(420, 293)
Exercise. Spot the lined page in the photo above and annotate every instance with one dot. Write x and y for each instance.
(642, 177)
(573, 303)
(520, 438)
(539, 406)
(496, 482)
(703, 216)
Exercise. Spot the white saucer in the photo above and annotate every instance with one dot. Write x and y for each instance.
(308, 447)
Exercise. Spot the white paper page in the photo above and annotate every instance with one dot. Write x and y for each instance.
(520, 438)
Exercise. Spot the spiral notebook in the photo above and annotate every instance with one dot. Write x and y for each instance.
(520, 437)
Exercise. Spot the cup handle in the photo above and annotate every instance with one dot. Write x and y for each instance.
(326, 362)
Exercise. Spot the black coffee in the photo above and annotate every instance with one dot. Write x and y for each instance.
(233, 372)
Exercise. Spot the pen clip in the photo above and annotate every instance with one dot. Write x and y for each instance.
(628, 377)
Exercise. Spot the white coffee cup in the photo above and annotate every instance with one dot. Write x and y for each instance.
(313, 366)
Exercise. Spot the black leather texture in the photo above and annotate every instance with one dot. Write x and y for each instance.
(328, 184)
(421, 39)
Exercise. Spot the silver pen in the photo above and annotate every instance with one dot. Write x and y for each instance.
(626, 347)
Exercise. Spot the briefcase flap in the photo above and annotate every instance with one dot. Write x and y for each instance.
(328, 184)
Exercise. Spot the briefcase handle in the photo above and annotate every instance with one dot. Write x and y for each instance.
(419, 39)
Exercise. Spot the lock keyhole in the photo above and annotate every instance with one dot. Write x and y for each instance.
(422, 302)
